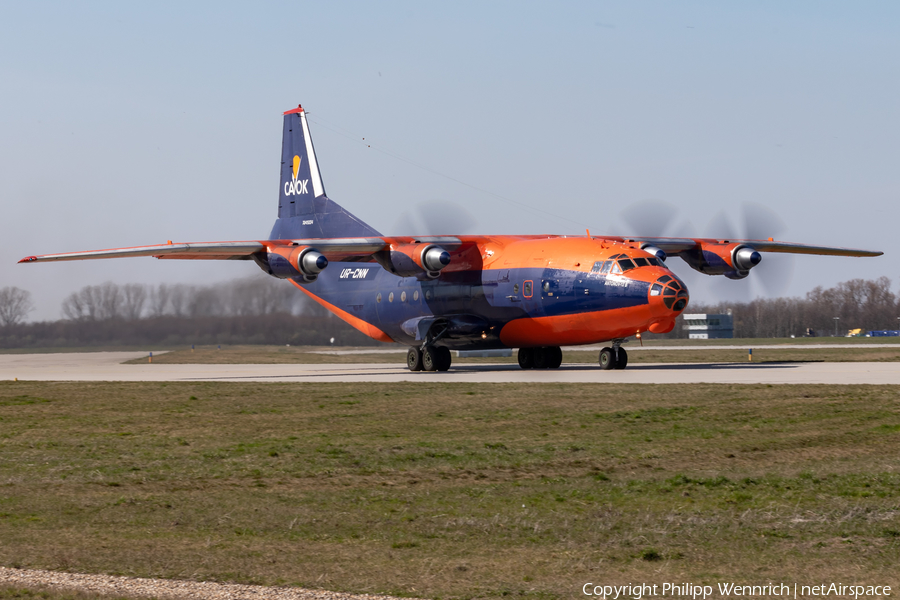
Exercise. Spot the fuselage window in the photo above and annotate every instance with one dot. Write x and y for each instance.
(606, 266)
(546, 286)
(391, 297)
(378, 297)
(516, 288)
(428, 294)
(526, 289)
(655, 289)
(641, 262)
(625, 264)
(402, 296)
(615, 269)
(416, 296)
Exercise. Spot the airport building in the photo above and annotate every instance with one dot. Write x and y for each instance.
(709, 327)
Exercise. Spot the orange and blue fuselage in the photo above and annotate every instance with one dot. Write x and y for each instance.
(504, 291)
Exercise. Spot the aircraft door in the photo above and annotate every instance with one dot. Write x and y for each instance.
(492, 281)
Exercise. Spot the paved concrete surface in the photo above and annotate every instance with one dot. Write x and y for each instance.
(106, 366)
(632, 346)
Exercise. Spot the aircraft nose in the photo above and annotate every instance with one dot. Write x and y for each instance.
(669, 295)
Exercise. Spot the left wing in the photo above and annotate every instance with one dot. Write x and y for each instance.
(203, 250)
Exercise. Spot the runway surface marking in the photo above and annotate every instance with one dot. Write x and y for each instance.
(106, 366)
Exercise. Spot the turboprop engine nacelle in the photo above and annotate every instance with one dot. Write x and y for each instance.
(743, 258)
(657, 252)
(732, 260)
(295, 262)
(414, 260)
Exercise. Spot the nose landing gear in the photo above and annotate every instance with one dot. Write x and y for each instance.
(613, 358)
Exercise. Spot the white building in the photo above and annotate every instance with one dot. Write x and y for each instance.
(709, 327)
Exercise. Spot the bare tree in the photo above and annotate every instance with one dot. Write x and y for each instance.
(251, 296)
(159, 299)
(81, 305)
(134, 297)
(110, 300)
(178, 297)
(15, 304)
(204, 302)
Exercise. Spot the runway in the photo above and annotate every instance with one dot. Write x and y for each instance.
(106, 366)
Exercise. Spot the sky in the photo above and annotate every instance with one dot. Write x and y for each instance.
(135, 123)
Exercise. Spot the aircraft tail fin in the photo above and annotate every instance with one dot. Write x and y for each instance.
(304, 210)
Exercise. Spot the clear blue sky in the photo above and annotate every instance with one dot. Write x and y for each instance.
(134, 123)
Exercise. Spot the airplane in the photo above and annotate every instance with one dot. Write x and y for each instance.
(439, 293)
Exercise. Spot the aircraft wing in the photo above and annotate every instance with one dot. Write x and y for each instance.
(335, 249)
(677, 245)
(203, 250)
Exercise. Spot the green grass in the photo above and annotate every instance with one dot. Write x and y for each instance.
(452, 490)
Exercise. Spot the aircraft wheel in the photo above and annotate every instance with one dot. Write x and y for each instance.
(555, 357)
(526, 358)
(607, 359)
(622, 359)
(542, 358)
(444, 359)
(430, 359)
(414, 359)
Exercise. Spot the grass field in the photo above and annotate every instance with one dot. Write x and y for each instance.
(452, 490)
(651, 353)
(15, 592)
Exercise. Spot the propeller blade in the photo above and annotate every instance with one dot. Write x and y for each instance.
(774, 274)
(720, 227)
(761, 222)
(650, 218)
(435, 217)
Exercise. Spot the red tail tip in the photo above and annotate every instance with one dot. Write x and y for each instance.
(299, 109)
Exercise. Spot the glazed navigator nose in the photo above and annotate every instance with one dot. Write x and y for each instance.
(671, 293)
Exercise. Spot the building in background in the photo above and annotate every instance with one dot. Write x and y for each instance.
(709, 327)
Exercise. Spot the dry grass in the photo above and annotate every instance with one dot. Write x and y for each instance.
(648, 354)
(452, 490)
(15, 592)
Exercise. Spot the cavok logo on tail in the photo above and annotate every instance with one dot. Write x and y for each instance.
(295, 186)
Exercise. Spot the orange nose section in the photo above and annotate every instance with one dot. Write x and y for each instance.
(668, 297)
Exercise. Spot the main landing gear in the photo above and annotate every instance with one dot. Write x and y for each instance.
(613, 358)
(544, 357)
(429, 358)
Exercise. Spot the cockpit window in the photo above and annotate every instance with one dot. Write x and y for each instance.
(606, 266)
(625, 263)
(665, 279)
(597, 266)
(653, 261)
(641, 262)
(655, 289)
(614, 268)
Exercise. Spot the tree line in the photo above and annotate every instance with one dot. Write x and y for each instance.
(257, 310)
(867, 304)
(252, 310)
